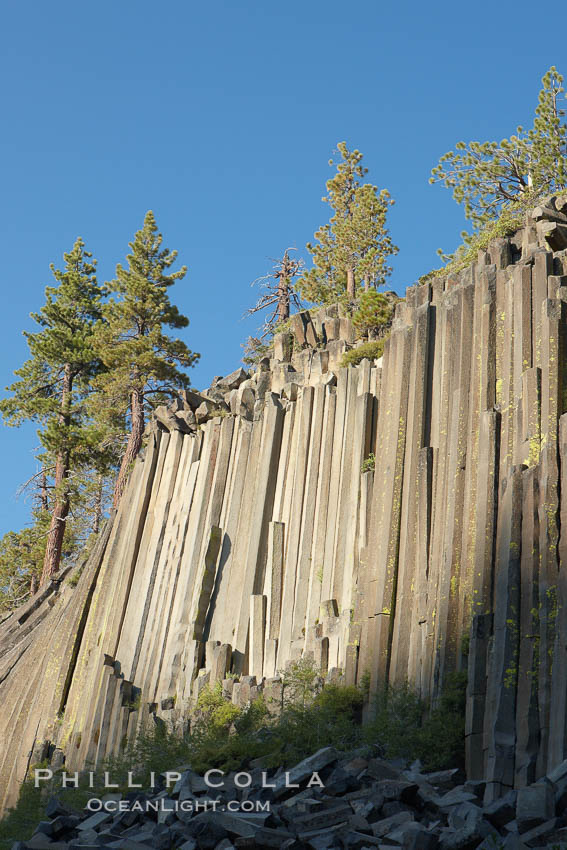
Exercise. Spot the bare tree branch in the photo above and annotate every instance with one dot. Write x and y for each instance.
(280, 295)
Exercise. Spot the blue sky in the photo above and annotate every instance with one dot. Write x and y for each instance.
(221, 117)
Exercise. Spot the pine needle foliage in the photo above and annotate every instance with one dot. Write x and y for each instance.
(144, 366)
(373, 314)
(54, 383)
(66, 340)
(352, 251)
(21, 562)
(367, 351)
(488, 177)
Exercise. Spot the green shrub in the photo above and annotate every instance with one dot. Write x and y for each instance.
(402, 727)
(373, 313)
(366, 351)
(365, 683)
(331, 718)
(397, 716)
(369, 463)
(255, 349)
(510, 220)
(20, 823)
(343, 699)
(443, 734)
(220, 411)
(301, 682)
(74, 577)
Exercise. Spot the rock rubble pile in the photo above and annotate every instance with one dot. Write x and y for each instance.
(329, 800)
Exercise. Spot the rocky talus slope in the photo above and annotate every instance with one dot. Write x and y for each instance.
(330, 800)
(248, 535)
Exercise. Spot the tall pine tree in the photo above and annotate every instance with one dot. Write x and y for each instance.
(353, 249)
(53, 384)
(142, 361)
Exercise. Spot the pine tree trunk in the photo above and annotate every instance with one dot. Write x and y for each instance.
(97, 505)
(350, 286)
(283, 300)
(133, 446)
(61, 509)
(43, 493)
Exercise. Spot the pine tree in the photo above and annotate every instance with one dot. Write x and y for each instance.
(373, 314)
(54, 383)
(548, 137)
(488, 177)
(353, 249)
(22, 554)
(21, 563)
(141, 359)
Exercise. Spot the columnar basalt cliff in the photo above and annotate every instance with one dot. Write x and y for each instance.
(248, 534)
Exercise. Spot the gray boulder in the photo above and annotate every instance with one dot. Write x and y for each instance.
(535, 804)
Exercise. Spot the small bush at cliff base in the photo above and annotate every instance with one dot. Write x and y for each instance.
(21, 822)
(366, 351)
(331, 719)
(402, 727)
(308, 717)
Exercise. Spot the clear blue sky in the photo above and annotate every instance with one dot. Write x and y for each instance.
(221, 117)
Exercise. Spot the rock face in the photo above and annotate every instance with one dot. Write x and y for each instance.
(248, 535)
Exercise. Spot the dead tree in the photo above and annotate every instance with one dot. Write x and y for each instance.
(279, 295)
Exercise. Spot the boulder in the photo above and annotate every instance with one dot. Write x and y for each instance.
(535, 804)
(554, 233)
(357, 841)
(263, 384)
(455, 797)
(397, 790)
(541, 835)
(382, 769)
(322, 817)
(175, 420)
(328, 379)
(302, 771)
(558, 777)
(209, 409)
(418, 837)
(188, 418)
(232, 381)
(385, 825)
(290, 391)
(502, 810)
(193, 399)
(245, 401)
(445, 779)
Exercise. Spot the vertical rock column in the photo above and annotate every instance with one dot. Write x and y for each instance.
(553, 354)
(527, 720)
(500, 726)
(411, 566)
(382, 564)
